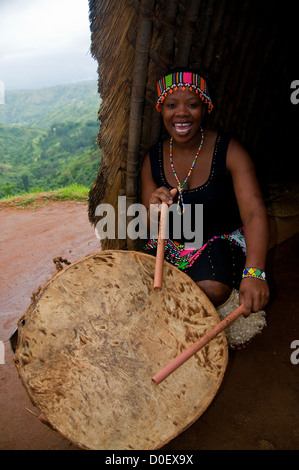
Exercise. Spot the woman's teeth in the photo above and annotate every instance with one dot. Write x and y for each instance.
(182, 128)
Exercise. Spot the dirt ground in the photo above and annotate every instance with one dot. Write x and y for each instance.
(257, 405)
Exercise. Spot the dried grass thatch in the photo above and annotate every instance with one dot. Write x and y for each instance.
(236, 45)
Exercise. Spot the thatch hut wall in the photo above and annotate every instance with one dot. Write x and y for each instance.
(242, 48)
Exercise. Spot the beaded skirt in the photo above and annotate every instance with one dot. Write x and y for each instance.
(221, 258)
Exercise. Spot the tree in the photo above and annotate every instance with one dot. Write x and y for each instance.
(25, 181)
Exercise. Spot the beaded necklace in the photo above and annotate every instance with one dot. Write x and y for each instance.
(181, 185)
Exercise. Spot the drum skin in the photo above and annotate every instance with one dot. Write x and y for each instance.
(94, 336)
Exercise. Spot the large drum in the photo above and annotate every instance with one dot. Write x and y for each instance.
(95, 335)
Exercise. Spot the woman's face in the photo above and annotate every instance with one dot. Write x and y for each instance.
(182, 112)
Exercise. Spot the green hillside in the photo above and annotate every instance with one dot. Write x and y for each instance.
(76, 102)
(48, 138)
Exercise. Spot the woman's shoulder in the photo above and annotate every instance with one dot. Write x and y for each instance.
(154, 151)
(215, 137)
(238, 158)
(235, 149)
(152, 155)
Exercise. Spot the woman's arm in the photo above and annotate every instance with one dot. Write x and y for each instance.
(150, 193)
(254, 293)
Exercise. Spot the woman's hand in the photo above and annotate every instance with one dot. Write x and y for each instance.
(254, 294)
(162, 194)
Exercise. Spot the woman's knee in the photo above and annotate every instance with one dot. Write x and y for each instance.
(217, 292)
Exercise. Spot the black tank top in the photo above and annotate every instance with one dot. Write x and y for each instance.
(220, 209)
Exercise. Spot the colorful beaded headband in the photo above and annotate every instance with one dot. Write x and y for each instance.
(190, 80)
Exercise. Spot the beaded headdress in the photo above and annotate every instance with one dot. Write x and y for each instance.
(190, 80)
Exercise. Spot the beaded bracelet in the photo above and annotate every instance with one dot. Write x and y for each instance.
(255, 273)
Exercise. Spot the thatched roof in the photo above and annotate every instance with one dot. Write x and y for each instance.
(240, 47)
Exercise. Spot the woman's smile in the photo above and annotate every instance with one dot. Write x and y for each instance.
(182, 128)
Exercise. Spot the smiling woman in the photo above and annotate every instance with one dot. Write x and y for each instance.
(195, 165)
(44, 43)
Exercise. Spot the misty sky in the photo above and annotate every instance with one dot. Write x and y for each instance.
(44, 43)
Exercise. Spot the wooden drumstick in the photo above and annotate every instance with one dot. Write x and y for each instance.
(160, 248)
(179, 360)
